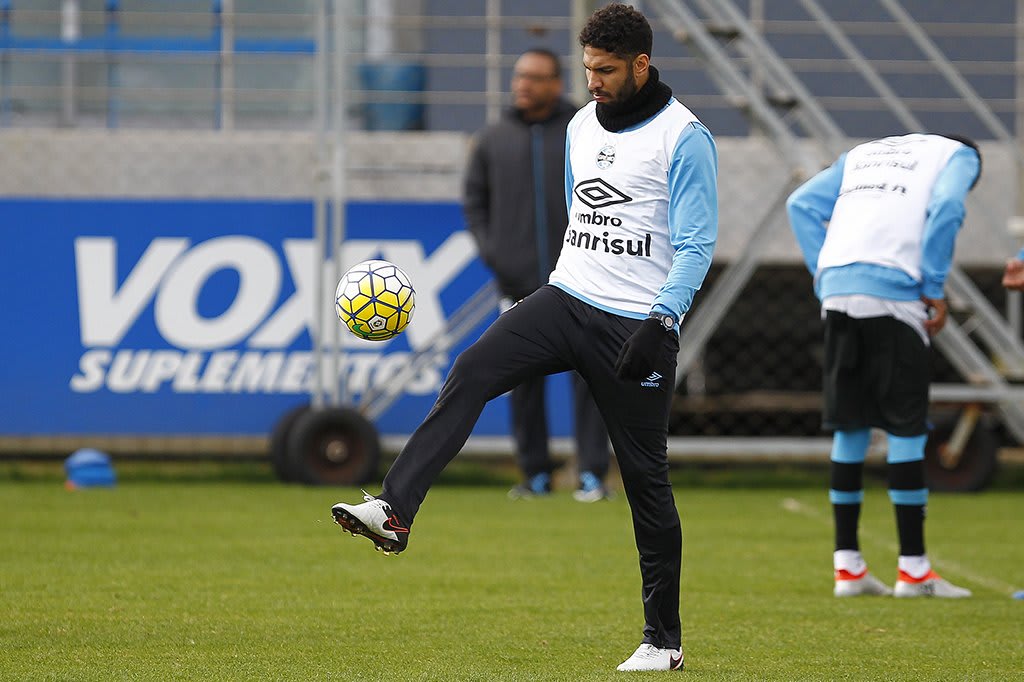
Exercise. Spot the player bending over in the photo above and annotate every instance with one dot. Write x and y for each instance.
(893, 208)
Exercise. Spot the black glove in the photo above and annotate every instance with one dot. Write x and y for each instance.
(641, 351)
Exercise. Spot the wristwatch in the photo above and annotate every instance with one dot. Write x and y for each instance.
(667, 321)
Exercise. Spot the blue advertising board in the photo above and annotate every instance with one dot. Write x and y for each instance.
(177, 317)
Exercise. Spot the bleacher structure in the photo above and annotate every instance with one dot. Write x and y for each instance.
(724, 32)
(264, 86)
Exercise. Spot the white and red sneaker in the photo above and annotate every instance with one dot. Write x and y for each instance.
(859, 585)
(650, 657)
(931, 584)
(373, 519)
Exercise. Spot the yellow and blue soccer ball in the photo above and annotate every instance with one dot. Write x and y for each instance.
(375, 300)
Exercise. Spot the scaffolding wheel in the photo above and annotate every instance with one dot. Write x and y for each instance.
(962, 452)
(279, 443)
(333, 446)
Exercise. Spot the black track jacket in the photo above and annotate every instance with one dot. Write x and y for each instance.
(517, 216)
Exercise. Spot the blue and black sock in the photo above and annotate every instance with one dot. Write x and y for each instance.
(846, 486)
(908, 491)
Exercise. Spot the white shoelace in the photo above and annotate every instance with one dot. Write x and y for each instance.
(367, 497)
(647, 651)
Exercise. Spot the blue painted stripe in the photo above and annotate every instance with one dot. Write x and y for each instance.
(906, 449)
(850, 447)
(115, 43)
(909, 497)
(845, 496)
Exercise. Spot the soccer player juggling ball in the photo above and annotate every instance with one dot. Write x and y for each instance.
(893, 208)
(641, 191)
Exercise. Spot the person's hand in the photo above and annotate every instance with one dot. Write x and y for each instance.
(640, 352)
(1013, 275)
(937, 311)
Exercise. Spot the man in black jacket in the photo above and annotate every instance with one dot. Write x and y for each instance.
(514, 203)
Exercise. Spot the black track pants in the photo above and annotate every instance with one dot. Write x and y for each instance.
(549, 332)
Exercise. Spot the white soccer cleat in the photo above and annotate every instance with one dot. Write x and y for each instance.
(373, 519)
(860, 585)
(931, 585)
(650, 657)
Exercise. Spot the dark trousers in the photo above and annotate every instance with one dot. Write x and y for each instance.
(530, 428)
(549, 332)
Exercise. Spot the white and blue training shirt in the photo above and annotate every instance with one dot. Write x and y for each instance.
(893, 208)
(643, 212)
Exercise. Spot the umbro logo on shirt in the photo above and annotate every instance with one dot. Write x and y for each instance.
(653, 381)
(596, 193)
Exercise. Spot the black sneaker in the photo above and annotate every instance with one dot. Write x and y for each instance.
(375, 520)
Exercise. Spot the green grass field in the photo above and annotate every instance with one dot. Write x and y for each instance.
(239, 578)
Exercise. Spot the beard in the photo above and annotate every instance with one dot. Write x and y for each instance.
(624, 94)
(633, 103)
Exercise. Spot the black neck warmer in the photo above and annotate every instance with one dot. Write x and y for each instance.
(645, 102)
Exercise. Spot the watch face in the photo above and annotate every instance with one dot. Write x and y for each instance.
(667, 321)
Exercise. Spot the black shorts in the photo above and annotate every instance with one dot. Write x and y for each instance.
(877, 371)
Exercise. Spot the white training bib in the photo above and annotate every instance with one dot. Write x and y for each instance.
(881, 211)
(616, 252)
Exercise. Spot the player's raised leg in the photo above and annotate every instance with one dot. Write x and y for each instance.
(528, 340)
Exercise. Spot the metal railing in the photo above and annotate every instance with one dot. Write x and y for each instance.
(104, 58)
(225, 67)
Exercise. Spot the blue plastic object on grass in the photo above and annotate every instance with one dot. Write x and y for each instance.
(89, 468)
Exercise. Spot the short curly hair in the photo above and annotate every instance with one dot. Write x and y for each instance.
(619, 29)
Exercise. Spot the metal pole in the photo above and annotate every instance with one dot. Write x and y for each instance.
(581, 9)
(380, 33)
(70, 32)
(1018, 120)
(757, 77)
(112, 30)
(1013, 299)
(1013, 312)
(493, 60)
(319, 198)
(227, 65)
(338, 188)
(5, 68)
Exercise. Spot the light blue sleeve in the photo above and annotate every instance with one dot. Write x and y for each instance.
(810, 206)
(568, 178)
(692, 218)
(944, 217)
